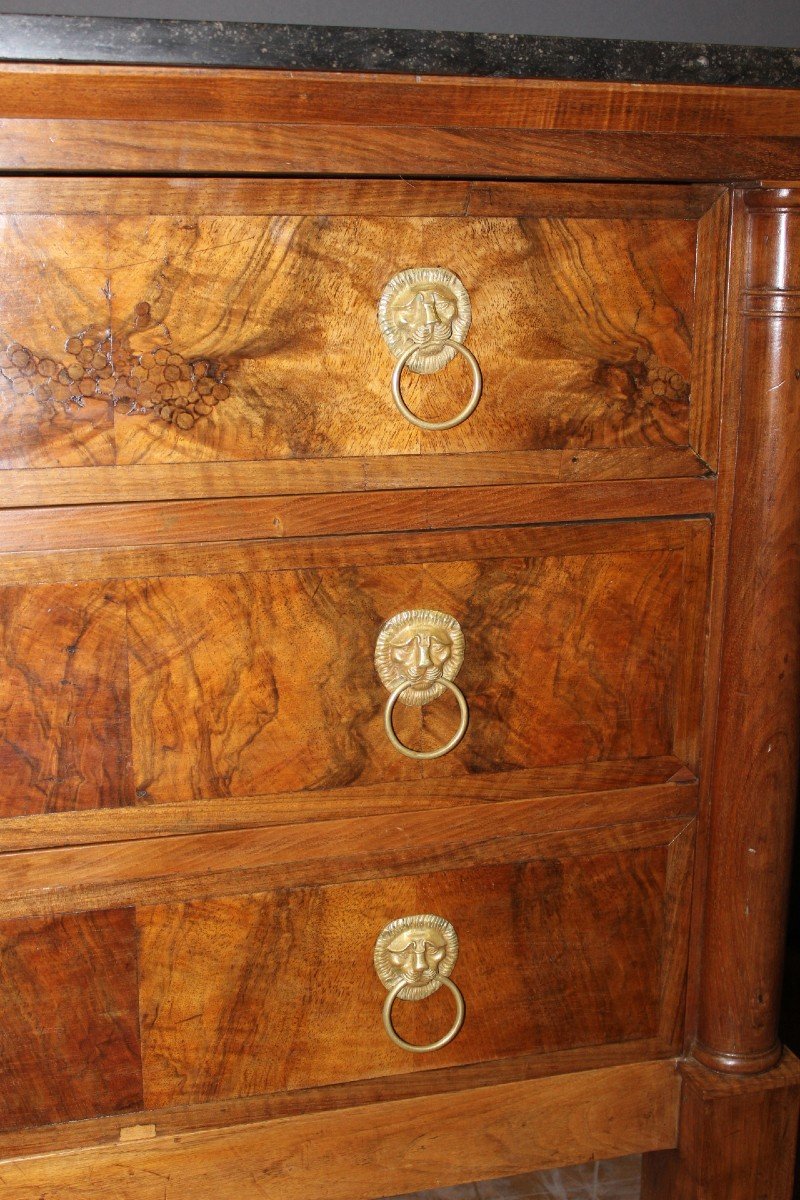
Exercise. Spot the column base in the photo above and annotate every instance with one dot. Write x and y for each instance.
(738, 1064)
(736, 1140)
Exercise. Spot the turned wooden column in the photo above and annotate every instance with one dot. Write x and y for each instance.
(754, 778)
(740, 1098)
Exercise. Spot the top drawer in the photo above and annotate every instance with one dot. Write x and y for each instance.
(163, 324)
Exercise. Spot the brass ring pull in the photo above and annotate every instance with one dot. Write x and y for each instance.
(424, 315)
(467, 411)
(442, 1041)
(448, 746)
(417, 655)
(413, 958)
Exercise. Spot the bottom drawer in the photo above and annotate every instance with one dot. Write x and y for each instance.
(565, 940)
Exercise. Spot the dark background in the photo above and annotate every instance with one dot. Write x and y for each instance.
(791, 990)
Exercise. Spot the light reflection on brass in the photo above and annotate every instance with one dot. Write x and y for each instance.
(413, 958)
(424, 315)
(417, 655)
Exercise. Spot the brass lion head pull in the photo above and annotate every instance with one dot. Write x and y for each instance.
(417, 655)
(424, 315)
(413, 958)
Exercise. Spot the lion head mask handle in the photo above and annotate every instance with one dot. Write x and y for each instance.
(413, 958)
(417, 655)
(424, 315)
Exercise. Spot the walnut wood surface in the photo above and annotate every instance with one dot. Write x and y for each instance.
(434, 1141)
(132, 558)
(344, 98)
(736, 1138)
(247, 715)
(251, 684)
(145, 1123)
(22, 488)
(240, 337)
(244, 995)
(181, 585)
(756, 746)
(292, 964)
(64, 697)
(259, 148)
(48, 427)
(567, 797)
(69, 1036)
(185, 524)
(186, 196)
(728, 390)
(230, 862)
(709, 342)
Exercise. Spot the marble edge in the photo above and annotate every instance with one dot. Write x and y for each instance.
(150, 42)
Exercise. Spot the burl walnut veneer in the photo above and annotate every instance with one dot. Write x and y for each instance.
(234, 909)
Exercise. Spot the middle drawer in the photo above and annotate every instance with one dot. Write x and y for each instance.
(240, 679)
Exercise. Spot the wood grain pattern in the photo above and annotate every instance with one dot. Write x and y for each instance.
(28, 567)
(488, 1132)
(69, 1037)
(237, 558)
(274, 992)
(728, 441)
(758, 731)
(336, 98)
(22, 488)
(206, 349)
(192, 197)
(575, 796)
(708, 358)
(307, 926)
(260, 148)
(233, 862)
(125, 1127)
(58, 265)
(677, 935)
(583, 318)
(188, 523)
(569, 659)
(584, 647)
(65, 740)
(690, 698)
(736, 1140)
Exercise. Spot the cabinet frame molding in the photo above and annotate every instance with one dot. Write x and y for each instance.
(712, 1121)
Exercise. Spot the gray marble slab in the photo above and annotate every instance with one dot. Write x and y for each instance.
(419, 52)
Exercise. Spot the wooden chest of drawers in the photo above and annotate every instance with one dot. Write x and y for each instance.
(399, 601)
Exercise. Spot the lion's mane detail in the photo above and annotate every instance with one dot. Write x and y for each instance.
(409, 624)
(389, 973)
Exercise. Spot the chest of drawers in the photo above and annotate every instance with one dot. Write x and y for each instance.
(399, 639)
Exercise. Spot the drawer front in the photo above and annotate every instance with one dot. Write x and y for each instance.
(159, 324)
(161, 1002)
(186, 677)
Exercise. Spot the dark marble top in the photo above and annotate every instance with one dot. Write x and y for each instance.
(333, 48)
